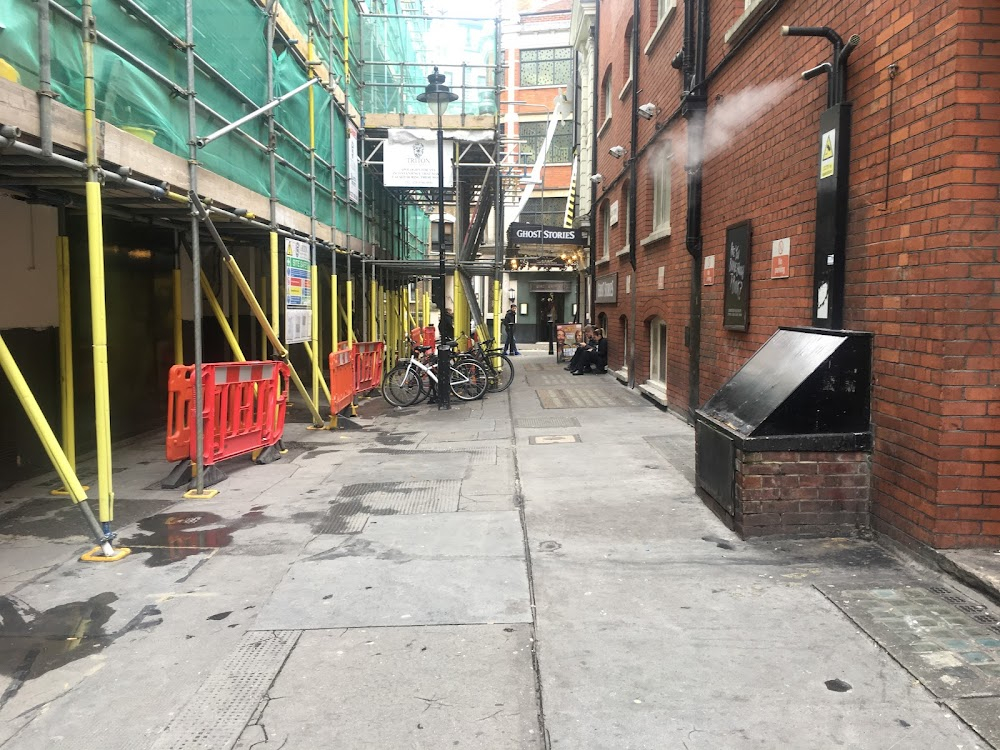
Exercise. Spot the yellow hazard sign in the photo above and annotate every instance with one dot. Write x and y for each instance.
(826, 155)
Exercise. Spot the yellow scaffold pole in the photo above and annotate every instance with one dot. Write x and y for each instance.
(334, 308)
(95, 242)
(496, 313)
(350, 311)
(58, 458)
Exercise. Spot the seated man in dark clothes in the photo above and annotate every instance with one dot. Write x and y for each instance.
(596, 357)
(587, 343)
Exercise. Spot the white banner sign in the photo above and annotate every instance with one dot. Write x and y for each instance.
(353, 193)
(298, 292)
(415, 164)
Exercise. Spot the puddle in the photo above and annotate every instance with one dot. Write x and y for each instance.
(34, 642)
(171, 537)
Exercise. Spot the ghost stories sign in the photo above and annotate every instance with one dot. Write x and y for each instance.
(736, 300)
(411, 162)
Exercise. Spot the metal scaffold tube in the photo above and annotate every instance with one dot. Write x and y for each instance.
(199, 490)
(95, 243)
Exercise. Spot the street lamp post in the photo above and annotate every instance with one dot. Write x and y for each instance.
(437, 97)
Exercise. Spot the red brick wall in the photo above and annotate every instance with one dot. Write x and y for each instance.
(792, 493)
(923, 257)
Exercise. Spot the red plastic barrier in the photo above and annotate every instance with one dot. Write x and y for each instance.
(341, 379)
(243, 410)
(368, 359)
(180, 404)
(425, 336)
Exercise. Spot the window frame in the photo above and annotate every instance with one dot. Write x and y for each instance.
(605, 232)
(658, 352)
(533, 141)
(528, 64)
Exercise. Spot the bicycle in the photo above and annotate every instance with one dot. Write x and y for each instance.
(404, 384)
(499, 375)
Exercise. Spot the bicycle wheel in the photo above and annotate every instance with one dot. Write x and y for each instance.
(401, 386)
(468, 380)
(504, 369)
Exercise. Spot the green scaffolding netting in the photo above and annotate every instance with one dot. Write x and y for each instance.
(141, 76)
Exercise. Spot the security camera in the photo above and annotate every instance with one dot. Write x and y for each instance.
(617, 151)
(647, 111)
(597, 177)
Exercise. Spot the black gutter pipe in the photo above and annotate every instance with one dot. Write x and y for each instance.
(596, 97)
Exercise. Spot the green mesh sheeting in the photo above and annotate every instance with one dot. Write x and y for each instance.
(140, 84)
(401, 52)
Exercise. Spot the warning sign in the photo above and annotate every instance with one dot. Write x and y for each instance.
(827, 154)
(780, 254)
(708, 272)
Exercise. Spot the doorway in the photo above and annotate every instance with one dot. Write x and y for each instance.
(545, 303)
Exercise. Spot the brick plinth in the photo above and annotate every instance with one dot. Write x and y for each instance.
(801, 494)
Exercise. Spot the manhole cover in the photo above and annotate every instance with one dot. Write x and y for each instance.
(552, 439)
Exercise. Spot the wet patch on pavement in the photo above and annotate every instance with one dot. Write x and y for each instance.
(34, 642)
(171, 537)
(58, 518)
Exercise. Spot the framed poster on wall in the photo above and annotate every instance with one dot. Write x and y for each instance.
(736, 300)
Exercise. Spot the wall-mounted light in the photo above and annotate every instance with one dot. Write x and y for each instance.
(617, 151)
(511, 294)
(598, 178)
(647, 111)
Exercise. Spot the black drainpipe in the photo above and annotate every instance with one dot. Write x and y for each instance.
(693, 108)
(632, 174)
(595, 95)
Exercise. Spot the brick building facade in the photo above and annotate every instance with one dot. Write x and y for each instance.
(922, 261)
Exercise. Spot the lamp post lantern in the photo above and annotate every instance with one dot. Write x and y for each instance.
(437, 96)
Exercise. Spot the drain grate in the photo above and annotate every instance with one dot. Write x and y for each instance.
(546, 422)
(349, 513)
(584, 398)
(217, 714)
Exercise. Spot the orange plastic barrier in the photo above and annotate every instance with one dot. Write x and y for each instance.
(425, 336)
(341, 379)
(368, 359)
(244, 409)
(180, 404)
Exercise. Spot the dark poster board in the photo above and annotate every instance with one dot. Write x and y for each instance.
(736, 312)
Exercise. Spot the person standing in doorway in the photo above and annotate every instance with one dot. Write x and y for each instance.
(510, 346)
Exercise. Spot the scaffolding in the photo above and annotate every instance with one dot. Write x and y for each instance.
(235, 124)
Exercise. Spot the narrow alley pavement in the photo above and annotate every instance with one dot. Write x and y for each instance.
(533, 570)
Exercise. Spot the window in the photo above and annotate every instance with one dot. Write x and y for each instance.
(547, 67)
(560, 149)
(658, 352)
(661, 165)
(547, 211)
(624, 338)
(606, 93)
(605, 232)
(628, 53)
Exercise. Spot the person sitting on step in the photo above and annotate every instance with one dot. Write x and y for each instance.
(581, 347)
(596, 357)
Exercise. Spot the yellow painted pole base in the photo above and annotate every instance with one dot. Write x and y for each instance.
(203, 495)
(354, 410)
(95, 555)
(62, 492)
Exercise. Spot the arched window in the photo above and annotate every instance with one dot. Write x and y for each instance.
(628, 54)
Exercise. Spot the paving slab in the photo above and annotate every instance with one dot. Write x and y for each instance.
(435, 569)
(420, 688)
